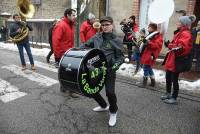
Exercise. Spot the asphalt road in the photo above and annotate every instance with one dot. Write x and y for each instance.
(44, 110)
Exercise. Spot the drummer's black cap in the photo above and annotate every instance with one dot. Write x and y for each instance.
(106, 18)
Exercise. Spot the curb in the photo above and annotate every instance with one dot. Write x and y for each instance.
(185, 94)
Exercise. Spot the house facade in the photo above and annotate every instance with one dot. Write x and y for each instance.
(118, 9)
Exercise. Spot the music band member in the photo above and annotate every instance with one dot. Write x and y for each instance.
(87, 30)
(136, 50)
(129, 28)
(112, 48)
(63, 34)
(181, 45)
(152, 46)
(63, 39)
(15, 30)
(50, 40)
(196, 45)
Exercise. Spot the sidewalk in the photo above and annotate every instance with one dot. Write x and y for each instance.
(189, 82)
(191, 76)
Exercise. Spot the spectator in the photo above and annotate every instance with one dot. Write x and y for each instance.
(181, 45)
(15, 30)
(87, 30)
(50, 41)
(3, 32)
(196, 45)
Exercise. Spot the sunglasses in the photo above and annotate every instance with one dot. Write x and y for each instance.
(105, 25)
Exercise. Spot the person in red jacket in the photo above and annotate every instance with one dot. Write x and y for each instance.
(149, 50)
(63, 34)
(181, 45)
(87, 30)
(63, 38)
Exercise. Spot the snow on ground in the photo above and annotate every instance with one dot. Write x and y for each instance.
(35, 51)
(128, 71)
(125, 69)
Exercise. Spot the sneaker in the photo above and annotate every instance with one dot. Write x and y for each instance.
(165, 96)
(113, 119)
(24, 67)
(170, 101)
(100, 109)
(33, 67)
(73, 95)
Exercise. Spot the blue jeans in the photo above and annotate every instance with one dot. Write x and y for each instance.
(28, 51)
(148, 71)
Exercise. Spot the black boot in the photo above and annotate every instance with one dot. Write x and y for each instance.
(144, 83)
(62, 89)
(153, 81)
(47, 60)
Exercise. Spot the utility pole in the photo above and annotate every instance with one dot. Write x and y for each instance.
(77, 24)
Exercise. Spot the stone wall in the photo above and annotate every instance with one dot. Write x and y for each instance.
(119, 10)
(48, 9)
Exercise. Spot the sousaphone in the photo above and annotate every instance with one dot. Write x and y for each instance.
(26, 10)
(160, 11)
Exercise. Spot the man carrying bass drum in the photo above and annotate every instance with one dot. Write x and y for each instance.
(112, 49)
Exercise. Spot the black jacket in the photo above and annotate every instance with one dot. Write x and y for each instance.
(13, 31)
(110, 45)
(50, 35)
(194, 34)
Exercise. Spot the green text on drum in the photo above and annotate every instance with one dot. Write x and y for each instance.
(94, 74)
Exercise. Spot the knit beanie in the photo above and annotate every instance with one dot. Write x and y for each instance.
(187, 20)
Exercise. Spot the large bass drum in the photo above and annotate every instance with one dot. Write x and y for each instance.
(83, 71)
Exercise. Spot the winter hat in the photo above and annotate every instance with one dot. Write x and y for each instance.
(106, 18)
(91, 16)
(187, 20)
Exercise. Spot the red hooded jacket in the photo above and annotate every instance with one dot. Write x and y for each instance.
(181, 39)
(153, 48)
(86, 31)
(62, 37)
(135, 27)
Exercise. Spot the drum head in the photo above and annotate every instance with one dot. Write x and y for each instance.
(92, 72)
